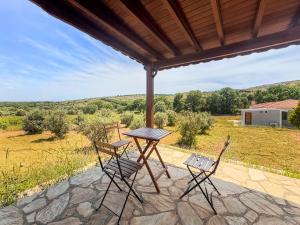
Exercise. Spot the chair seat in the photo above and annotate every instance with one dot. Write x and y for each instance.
(128, 167)
(120, 143)
(199, 162)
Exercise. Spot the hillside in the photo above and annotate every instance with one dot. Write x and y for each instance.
(265, 86)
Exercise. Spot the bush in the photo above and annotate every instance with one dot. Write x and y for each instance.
(137, 122)
(127, 117)
(160, 106)
(94, 130)
(294, 117)
(21, 112)
(34, 123)
(58, 123)
(90, 109)
(79, 119)
(105, 113)
(160, 119)
(191, 124)
(171, 117)
(3, 125)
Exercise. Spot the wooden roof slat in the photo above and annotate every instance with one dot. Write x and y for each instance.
(66, 12)
(99, 13)
(139, 11)
(277, 40)
(216, 9)
(259, 17)
(178, 15)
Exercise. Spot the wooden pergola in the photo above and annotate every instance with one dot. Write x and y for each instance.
(163, 34)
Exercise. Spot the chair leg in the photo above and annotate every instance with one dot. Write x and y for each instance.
(106, 192)
(212, 184)
(124, 151)
(130, 189)
(115, 183)
(133, 191)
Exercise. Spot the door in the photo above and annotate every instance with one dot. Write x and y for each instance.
(248, 118)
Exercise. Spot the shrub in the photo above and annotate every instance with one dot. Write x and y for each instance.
(90, 109)
(294, 117)
(21, 112)
(191, 124)
(94, 130)
(160, 106)
(127, 117)
(79, 119)
(160, 119)
(171, 117)
(58, 123)
(3, 125)
(137, 122)
(34, 123)
(105, 113)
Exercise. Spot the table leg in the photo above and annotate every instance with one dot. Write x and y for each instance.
(142, 156)
(161, 161)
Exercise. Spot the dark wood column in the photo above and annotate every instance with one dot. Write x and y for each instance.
(151, 72)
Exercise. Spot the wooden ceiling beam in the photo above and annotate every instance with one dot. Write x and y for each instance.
(259, 44)
(136, 8)
(100, 14)
(259, 17)
(63, 11)
(296, 19)
(216, 10)
(178, 15)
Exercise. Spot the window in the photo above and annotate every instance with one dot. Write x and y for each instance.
(284, 115)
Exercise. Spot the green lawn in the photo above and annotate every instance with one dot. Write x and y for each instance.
(263, 146)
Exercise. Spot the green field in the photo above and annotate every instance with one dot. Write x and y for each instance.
(30, 160)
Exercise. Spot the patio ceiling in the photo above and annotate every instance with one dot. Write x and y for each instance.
(171, 33)
(163, 34)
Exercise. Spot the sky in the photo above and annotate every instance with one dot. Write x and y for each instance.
(44, 59)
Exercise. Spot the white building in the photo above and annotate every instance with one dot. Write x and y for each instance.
(269, 113)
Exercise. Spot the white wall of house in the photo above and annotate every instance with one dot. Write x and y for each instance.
(265, 117)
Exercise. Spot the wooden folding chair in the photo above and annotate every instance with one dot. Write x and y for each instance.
(117, 167)
(206, 167)
(121, 143)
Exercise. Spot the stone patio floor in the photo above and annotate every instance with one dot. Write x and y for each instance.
(248, 196)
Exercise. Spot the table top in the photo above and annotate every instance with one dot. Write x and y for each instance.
(148, 133)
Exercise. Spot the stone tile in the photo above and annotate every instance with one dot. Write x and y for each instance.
(57, 190)
(68, 221)
(233, 205)
(202, 213)
(234, 220)
(86, 178)
(53, 210)
(164, 218)
(273, 189)
(198, 199)
(160, 202)
(228, 188)
(25, 200)
(101, 217)
(293, 199)
(263, 220)
(11, 216)
(216, 220)
(256, 175)
(35, 205)
(187, 214)
(149, 209)
(175, 192)
(260, 205)
(251, 216)
(82, 195)
(85, 209)
(292, 210)
(31, 217)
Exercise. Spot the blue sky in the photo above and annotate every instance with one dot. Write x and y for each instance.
(42, 58)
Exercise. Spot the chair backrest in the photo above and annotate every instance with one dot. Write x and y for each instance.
(106, 148)
(226, 145)
(111, 126)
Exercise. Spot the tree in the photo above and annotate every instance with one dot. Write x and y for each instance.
(178, 103)
(160, 106)
(294, 117)
(160, 119)
(58, 123)
(172, 116)
(195, 102)
(90, 109)
(21, 112)
(137, 122)
(229, 101)
(34, 123)
(214, 103)
(127, 117)
(137, 105)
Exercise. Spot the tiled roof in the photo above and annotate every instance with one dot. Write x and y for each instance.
(286, 104)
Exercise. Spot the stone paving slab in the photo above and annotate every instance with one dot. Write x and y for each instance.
(248, 196)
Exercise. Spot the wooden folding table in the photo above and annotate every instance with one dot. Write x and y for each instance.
(152, 137)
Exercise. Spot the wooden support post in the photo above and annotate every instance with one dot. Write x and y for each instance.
(151, 72)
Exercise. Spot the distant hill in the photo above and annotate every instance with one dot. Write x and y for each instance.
(265, 86)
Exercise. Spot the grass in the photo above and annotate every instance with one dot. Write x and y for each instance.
(30, 160)
(275, 148)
